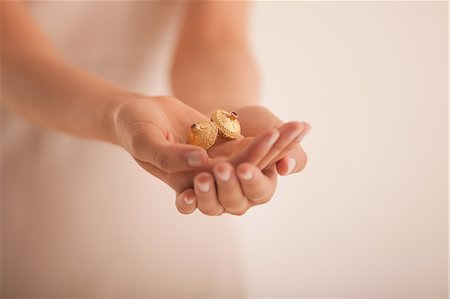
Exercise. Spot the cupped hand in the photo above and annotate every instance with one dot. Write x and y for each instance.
(290, 156)
(234, 190)
(285, 152)
(154, 130)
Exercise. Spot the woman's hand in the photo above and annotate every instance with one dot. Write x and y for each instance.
(154, 130)
(228, 190)
(292, 159)
(234, 190)
(46, 90)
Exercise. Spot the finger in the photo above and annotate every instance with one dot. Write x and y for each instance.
(152, 169)
(305, 131)
(294, 162)
(293, 147)
(229, 189)
(148, 144)
(205, 193)
(258, 186)
(251, 125)
(288, 133)
(186, 202)
(257, 149)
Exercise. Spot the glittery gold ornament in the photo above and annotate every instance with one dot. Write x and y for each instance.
(227, 123)
(203, 134)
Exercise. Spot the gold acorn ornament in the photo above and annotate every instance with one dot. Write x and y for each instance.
(227, 123)
(203, 134)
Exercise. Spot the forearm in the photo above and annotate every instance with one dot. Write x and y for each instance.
(40, 86)
(213, 66)
(61, 97)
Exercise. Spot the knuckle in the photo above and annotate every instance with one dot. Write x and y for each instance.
(239, 213)
(218, 213)
(235, 206)
(266, 199)
(212, 212)
(262, 199)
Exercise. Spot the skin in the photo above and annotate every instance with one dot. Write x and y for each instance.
(212, 68)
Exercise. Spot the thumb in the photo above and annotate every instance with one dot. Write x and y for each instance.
(150, 145)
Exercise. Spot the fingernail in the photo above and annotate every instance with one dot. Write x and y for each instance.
(188, 201)
(224, 175)
(246, 176)
(291, 165)
(273, 138)
(195, 159)
(204, 187)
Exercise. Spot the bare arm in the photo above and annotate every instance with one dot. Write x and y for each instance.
(40, 86)
(213, 66)
(44, 89)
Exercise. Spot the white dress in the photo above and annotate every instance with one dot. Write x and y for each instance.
(80, 217)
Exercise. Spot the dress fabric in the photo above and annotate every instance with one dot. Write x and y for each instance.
(80, 217)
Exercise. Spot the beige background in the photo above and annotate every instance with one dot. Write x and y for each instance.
(366, 218)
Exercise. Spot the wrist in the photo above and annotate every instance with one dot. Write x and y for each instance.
(110, 121)
(224, 78)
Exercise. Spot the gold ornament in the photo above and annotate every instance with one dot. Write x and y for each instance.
(227, 123)
(203, 134)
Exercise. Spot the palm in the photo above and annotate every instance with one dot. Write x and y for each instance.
(172, 119)
(178, 121)
(254, 120)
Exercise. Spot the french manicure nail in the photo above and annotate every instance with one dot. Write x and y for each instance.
(273, 138)
(194, 159)
(224, 175)
(204, 187)
(246, 176)
(291, 165)
(188, 201)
